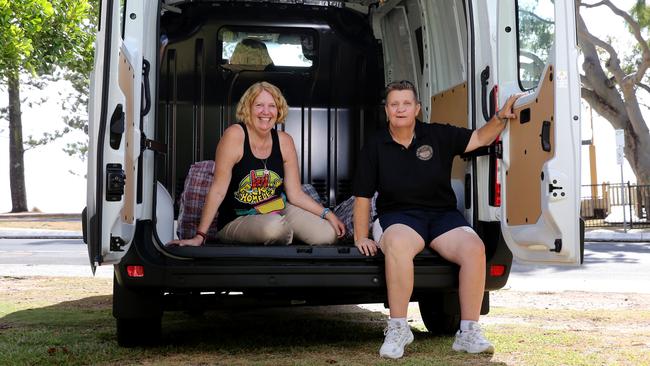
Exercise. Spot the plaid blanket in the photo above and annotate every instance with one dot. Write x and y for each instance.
(197, 184)
(344, 211)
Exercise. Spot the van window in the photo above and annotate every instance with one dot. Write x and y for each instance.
(536, 28)
(122, 16)
(260, 48)
(399, 58)
(448, 43)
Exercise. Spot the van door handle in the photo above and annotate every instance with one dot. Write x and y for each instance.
(147, 92)
(487, 103)
(546, 136)
(485, 77)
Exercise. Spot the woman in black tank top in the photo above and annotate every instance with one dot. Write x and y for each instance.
(256, 189)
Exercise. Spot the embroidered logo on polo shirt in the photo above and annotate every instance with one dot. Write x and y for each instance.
(424, 152)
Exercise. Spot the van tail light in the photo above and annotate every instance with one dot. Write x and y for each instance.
(497, 270)
(135, 271)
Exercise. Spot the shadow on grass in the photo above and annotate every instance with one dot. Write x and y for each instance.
(83, 332)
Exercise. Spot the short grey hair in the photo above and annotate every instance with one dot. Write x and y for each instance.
(401, 85)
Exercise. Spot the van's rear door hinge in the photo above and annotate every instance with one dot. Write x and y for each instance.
(495, 149)
(147, 144)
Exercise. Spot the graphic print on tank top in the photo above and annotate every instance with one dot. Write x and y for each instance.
(257, 189)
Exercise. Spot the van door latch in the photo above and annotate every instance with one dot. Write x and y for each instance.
(498, 149)
(557, 246)
(115, 178)
(116, 244)
(556, 191)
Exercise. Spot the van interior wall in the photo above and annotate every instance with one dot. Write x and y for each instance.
(333, 105)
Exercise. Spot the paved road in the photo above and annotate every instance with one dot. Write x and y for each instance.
(46, 257)
(608, 267)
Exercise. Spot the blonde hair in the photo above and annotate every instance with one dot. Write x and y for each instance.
(246, 101)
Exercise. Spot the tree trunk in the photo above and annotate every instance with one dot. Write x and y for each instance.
(16, 151)
(619, 106)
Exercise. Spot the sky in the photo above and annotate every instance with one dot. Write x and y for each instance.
(55, 182)
(604, 24)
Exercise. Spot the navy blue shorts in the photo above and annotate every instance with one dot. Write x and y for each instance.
(429, 225)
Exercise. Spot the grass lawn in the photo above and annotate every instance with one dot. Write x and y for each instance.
(54, 321)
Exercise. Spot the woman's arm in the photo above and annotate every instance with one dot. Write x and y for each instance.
(229, 151)
(295, 195)
(361, 218)
(489, 132)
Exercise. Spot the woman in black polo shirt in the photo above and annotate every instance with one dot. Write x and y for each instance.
(409, 164)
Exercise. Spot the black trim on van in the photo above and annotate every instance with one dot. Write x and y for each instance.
(96, 220)
(154, 181)
(471, 90)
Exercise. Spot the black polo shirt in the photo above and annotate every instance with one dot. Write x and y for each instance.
(413, 178)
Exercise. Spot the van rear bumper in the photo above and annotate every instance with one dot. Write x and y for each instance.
(322, 268)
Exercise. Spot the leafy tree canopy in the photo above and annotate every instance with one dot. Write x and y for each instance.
(39, 35)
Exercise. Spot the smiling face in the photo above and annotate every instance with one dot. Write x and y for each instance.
(261, 95)
(263, 112)
(402, 108)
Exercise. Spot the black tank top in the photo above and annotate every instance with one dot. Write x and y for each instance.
(256, 185)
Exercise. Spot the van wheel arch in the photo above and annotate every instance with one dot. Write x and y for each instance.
(436, 320)
(138, 315)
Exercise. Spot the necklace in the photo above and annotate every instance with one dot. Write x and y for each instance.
(258, 150)
(266, 171)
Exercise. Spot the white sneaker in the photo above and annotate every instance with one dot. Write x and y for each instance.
(472, 341)
(398, 335)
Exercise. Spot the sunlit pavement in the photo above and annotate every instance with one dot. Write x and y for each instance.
(53, 270)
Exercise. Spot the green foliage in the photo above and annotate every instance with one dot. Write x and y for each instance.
(51, 39)
(39, 35)
(641, 12)
(536, 35)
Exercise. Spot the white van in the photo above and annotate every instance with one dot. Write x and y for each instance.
(166, 82)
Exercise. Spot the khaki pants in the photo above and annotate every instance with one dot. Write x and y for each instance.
(279, 229)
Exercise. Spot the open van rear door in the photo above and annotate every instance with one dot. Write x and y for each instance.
(540, 171)
(114, 135)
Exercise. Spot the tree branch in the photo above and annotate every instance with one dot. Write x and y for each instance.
(585, 81)
(595, 77)
(593, 5)
(537, 17)
(613, 64)
(31, 143)
(613, 115)
(636, 31)
(643, 86)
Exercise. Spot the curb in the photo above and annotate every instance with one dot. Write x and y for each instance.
(616, 236)
(33, 215)
(27, 236)
(20, 233)
(642, 239)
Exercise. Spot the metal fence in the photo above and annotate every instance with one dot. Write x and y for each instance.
(607, 205)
